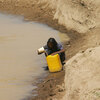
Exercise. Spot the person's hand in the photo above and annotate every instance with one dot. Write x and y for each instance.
(38, 52)
(53, 54)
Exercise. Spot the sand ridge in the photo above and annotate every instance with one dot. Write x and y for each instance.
(82, 76)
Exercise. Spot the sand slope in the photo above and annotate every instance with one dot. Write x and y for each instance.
(80, 15)
(82, 77)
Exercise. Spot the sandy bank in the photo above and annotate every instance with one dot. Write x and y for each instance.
(71, 17)
(83, 76)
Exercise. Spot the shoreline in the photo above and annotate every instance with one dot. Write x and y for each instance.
(56, 89)
(78, 42)
(51, 87)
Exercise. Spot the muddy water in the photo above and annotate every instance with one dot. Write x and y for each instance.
(19, 63)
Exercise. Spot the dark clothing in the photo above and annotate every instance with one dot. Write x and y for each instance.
(57, 48)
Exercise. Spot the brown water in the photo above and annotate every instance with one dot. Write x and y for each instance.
(19, 63)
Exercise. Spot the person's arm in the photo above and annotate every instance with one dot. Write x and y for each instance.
(58, 52)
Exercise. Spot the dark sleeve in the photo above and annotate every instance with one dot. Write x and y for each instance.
(47, 50)
(60, 47)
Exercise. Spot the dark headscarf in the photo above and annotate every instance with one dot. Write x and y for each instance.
(54, 43)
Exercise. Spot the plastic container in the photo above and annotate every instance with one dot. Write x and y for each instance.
(41, 50)
(54, 63)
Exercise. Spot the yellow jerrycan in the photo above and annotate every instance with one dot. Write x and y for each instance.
(54, 63)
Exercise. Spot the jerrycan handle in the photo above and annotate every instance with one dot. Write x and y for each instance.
(46, 53)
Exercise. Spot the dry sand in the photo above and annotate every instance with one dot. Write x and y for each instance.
(83, 76)
(72, 17)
